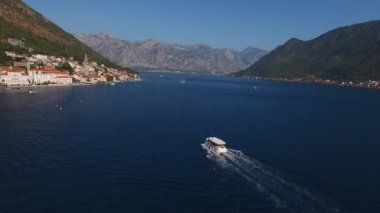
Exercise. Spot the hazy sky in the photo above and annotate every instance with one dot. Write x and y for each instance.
(218, 23)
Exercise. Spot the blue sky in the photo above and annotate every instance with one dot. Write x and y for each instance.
(219, 23)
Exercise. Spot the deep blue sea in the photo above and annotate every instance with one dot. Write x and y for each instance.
(136, 147)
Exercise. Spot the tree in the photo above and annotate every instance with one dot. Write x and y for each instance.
(66, 66)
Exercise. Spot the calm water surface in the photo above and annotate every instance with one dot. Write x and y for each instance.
(136, 147)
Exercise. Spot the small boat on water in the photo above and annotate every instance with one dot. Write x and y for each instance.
(32, 91)
(183, 81)
(112, 84)
(216, 144)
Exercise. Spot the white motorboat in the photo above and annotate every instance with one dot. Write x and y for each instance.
(216, 144)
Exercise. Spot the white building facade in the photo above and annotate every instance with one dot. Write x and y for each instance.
(13, 76)
(16, 76)
(45, 76)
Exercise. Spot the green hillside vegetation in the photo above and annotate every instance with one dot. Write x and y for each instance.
(19, 21)
(347, 53)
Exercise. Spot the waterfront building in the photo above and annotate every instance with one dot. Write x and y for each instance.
(13, 76)
(17, 76)
(49, 76)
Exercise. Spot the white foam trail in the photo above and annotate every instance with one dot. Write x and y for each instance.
(276, 187)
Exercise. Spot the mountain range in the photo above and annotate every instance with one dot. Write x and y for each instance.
(154, 54)
(25, 31)
(346, 53)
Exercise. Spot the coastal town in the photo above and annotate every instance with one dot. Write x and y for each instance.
(39, 70)
(47, 70)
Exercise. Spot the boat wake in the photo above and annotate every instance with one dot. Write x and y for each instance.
(274, 186)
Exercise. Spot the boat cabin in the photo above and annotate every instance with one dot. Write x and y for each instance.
(216, 144)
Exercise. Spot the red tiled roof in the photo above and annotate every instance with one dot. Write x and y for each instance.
(62, 77)
(11, 69)
(52, 71)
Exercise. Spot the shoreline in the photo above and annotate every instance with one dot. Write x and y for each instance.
(375, 85)
(66, 85)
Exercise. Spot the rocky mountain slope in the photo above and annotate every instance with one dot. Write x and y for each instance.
(24, 30)
(346, 53)
(153, 54)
